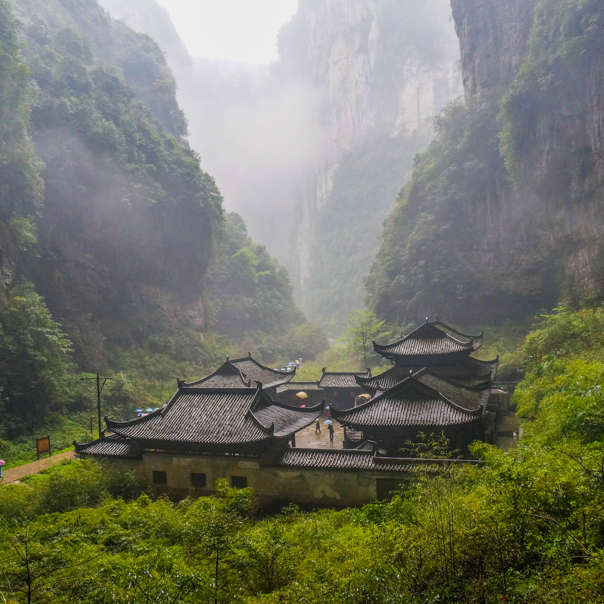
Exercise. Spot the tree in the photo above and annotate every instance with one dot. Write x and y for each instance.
(31, 568)
(363, 328)
(213, 529)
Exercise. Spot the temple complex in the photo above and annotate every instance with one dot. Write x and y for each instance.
(240, 423)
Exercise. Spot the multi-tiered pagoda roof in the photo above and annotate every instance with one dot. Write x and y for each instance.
(434, 343)
(437, 346)
(470, 396)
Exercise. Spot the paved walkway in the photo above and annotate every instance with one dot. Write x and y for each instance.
(34, 467)
(307, 439)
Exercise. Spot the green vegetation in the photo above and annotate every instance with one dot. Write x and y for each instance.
(425, 264)
(364, 328)
(34, 374)
(364, 186)
(562, 392)
(251, 300)
(526, 527)
(474, 224)
(566, 49)
(107, 253)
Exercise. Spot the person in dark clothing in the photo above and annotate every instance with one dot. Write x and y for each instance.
(317, 427)
(330, 428)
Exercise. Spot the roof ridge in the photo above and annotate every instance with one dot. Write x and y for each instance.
(324, 370)
(291, 372)
(227, 363)
(294, 408)
(444, 378)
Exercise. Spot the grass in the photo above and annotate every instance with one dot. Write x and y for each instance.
(23, 450)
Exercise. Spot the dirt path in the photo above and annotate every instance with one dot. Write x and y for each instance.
(19, 472)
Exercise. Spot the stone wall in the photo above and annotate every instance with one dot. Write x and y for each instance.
(331, 488)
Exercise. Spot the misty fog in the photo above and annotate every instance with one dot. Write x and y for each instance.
(273, 136)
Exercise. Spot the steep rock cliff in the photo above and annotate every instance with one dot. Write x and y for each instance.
(383, 70)
(128, 218)
(492, 40)
(511, 187)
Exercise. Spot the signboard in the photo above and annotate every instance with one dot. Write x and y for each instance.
(43, 446)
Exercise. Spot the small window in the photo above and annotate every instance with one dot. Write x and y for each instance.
(160, 477)
(239, 482)
(385, 486)
(198, 481)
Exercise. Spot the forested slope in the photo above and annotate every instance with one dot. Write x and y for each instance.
(503, 214)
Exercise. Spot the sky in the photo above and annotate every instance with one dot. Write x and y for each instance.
(232, 30)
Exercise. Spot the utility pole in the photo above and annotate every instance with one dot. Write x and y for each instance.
(99, 389)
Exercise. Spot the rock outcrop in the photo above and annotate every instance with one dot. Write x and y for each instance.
(512, 187)
(384, 70)
(492, 41)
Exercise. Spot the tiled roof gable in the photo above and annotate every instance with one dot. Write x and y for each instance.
(430, 339)
(341, 379)
(410, 403)
(244, 372)
(215, 417)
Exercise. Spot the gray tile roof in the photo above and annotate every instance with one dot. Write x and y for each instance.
(466, 397)
(469, 372)
(341, 379)
(242, 373)
(431, 339)
(287, 420)
(257, 372)
(351, 459)
(410, 403)
(109, 446)
(299, 387)
(205, 417)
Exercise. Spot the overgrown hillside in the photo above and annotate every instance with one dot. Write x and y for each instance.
(527, 527)
(129, 217)
(503, 214)
(108, 227)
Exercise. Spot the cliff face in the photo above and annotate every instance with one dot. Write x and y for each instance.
(383, 70)
(128, 217)
(512, 185)
(492, 40)
(552, 115)
(149, 17)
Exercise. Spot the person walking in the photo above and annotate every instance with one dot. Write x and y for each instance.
(330, 428)
(317, 427)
